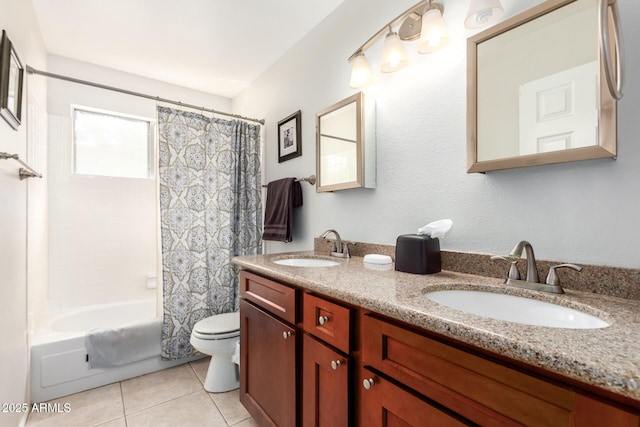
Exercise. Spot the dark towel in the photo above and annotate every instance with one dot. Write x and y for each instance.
(282, 196)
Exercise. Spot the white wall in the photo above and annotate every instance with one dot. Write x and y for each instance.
(581, 212)
(18, 19)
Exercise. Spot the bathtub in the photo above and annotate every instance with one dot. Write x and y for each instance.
(59, 360)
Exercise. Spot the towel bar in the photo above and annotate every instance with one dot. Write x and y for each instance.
(25, 172)
(310, 179)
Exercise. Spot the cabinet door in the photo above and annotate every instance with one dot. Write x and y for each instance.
(267, 367)
(384, 404)
(325, 385)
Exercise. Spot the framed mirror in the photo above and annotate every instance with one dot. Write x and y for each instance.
(345, 145)
(536, 90)
(11, 80)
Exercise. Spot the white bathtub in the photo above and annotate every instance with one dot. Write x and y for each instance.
(59, 361)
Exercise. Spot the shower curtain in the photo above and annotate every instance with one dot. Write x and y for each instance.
(210, 211)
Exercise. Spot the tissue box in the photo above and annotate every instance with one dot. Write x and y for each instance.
(418, 254)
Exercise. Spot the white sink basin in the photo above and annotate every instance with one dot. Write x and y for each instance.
(516, 309)
(306, 262)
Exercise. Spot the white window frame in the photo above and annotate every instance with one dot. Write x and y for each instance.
(150, 142)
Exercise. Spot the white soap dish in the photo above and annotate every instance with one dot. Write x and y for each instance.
(377, 259)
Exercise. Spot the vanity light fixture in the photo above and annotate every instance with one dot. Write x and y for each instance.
(483, 12)
(424, 21)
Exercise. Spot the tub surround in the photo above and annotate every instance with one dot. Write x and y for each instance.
(607, 359)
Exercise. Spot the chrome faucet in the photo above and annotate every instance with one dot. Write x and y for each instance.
(532, 268)
(532, 280)
(338, 249)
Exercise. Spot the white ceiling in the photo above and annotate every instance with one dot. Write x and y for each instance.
(215, 46)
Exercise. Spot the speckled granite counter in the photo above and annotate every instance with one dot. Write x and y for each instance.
(608, 358)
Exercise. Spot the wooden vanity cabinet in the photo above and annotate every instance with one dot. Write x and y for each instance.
(382, 403)
(304, 358)
(269, 343)
(325, 385)
(483, 391)
(326, 363)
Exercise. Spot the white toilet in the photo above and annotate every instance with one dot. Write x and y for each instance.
(217, 336)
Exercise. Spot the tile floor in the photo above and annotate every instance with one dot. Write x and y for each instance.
(167, 398)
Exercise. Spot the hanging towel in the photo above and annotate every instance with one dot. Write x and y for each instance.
(119, 346)
(282, 196)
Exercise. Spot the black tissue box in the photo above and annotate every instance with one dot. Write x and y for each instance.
(418, 254)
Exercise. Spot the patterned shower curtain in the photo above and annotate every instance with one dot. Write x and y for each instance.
(210, 211)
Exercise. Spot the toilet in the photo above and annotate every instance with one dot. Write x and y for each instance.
(217, 336)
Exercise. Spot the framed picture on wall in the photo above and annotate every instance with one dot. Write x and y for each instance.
(289, 139)
(11, 77)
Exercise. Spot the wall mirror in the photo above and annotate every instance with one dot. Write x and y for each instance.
(537, 91)
(345, 145)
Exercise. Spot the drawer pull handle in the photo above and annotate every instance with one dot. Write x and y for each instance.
(335, 364)
(286, 334)
(368, 383)
(323, 319)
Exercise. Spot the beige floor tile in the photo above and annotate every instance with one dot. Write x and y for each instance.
(149, 390)
(246, 423)
(195, 410)
(89, 408)
(229, 405)
(200, 367)
(118, 422)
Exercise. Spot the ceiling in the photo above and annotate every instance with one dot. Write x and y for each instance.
(215, 46)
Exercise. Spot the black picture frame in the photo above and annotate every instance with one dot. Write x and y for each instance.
(11, 82)
(289, 137)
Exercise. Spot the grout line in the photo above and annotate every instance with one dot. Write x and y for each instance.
(124, 411)
(163, 402)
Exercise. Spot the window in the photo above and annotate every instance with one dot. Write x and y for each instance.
(112, 144)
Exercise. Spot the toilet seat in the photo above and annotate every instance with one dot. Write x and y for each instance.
(218, 327)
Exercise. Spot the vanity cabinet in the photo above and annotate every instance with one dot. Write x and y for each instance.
(325, 385)
(382, 403)
(326, 363)
(269, 343)
(311, 360)
(474, 388)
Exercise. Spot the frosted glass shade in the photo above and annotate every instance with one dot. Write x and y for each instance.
(483, 12)
(360, 71)
(393, 56)
(434, 34)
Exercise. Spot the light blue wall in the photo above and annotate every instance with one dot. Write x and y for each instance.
(584, 212)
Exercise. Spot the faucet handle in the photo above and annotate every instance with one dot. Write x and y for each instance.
(345, 250)
(552, 277)
(513, 270)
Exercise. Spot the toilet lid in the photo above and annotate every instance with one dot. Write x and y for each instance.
(218, 324)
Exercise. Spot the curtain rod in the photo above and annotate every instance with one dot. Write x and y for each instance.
(32, 70)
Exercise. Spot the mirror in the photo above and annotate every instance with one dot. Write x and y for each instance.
(345, 145)
(536, 89)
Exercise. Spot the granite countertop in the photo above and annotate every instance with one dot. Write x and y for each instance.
(608, 358)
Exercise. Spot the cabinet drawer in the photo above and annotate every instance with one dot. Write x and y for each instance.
(328, 321)
(481, 390)
(274, 297)
(385, 404)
